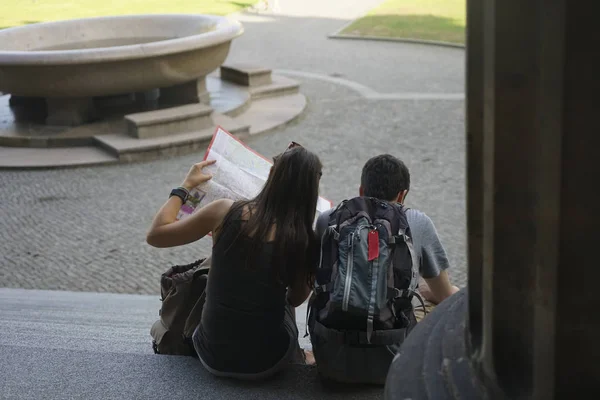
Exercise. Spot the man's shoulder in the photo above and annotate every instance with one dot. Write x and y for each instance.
(419, 222)
(415, 215)
(412, 214)
(422, 227)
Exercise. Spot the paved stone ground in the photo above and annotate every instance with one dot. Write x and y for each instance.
(84, 229)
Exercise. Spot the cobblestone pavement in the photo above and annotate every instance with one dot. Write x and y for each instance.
(83, 229)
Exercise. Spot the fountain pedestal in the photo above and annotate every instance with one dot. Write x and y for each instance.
(70, 111)
(186, 93)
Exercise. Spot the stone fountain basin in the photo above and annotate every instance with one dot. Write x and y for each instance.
(112, 55)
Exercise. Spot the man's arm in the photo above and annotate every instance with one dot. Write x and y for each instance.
(437, 289)
(435, 285)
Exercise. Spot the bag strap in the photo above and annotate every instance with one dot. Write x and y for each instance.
(332, 237)
(195, 315)
(418, 296)
(379, 338)
(402, 237)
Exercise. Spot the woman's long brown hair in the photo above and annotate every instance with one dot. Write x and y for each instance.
(288, 201)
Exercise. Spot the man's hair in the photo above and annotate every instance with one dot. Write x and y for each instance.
(384, 176)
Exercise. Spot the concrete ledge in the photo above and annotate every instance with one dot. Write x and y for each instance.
(129, 149)
(52, 137)
(279, 87)
(267, 114)
(106, 354)
(247, 75)
(44, 142)
(398, 40)
(228, 98)
(169, 121)
(30, 158)
(243, 110)
(61, 373)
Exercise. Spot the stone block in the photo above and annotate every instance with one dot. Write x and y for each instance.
(280, 86)
(69, 111)
(246, 75)
(169, 121)
(185, 93)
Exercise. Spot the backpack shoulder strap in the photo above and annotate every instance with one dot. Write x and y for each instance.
(403, 235)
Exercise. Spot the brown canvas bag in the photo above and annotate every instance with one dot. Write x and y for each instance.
(182, 289)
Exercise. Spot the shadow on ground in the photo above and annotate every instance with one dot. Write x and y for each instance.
(54, 374)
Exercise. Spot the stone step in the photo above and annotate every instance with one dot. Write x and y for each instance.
(57, 137)
(226, 97)
(171, 131)
(246, 74)
(280, 86)
(106, 354)
(269, 113)
(169, 121)
(29, 158)
(127, 148)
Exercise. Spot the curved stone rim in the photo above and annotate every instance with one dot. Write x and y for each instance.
(226, 30)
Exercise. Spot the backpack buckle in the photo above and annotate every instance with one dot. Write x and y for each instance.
(401, 237)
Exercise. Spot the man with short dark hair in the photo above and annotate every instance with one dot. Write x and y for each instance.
(386, 177)
(338, 357)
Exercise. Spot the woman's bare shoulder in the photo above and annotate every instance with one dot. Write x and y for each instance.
(222, 204)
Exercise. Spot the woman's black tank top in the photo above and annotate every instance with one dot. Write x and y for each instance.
(242, 321)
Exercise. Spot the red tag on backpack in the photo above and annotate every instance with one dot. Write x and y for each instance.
(373, 244)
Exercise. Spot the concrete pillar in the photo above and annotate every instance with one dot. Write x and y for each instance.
(70, 111)
(186, 93)
(532, 321)
(537, 149)
(148, 100)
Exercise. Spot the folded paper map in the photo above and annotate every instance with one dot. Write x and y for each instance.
(239, 174)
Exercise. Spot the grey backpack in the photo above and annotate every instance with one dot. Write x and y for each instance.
(367, 275)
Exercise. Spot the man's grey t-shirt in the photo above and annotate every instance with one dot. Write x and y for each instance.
(432, 258)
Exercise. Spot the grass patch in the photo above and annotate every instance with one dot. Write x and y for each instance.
(22, 12)
(441, 20)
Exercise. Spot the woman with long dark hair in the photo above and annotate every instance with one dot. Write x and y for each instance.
(263, 261)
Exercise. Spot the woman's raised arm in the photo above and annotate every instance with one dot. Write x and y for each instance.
(166, 231)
